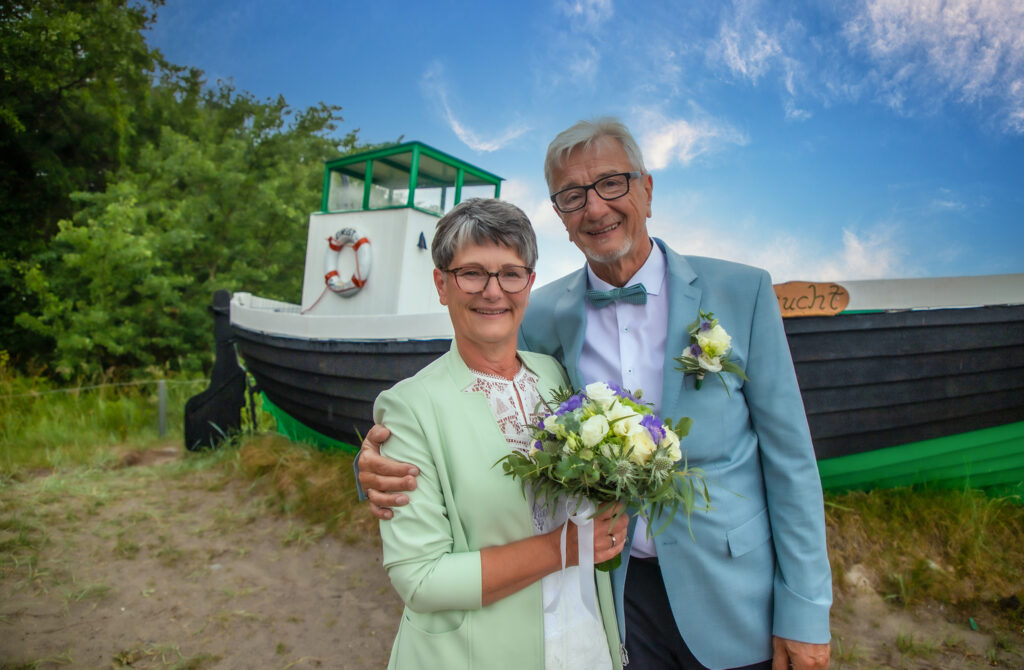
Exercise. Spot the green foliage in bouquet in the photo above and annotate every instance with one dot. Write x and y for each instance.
(603, 444)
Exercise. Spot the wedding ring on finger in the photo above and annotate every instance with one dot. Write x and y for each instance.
(613, 539)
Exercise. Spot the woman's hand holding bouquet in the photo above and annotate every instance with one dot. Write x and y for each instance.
(602, 445)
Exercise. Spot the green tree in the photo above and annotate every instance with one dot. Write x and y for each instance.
(74, 77)
(219, 199)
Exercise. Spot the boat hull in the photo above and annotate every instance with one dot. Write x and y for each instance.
(901, 385)
(329, 385)
(876, 380)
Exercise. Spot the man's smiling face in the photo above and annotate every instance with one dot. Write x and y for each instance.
(611, 233)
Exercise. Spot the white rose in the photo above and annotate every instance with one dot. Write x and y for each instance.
(714, 342)
(643, 447)
(555, 427)
(628, 419)
(671, 442)
(710, 364)
(600, 393)
(593, 430)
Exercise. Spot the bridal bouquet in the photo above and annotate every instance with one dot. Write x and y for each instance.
(602, 444)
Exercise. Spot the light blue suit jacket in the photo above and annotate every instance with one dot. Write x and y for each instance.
(757, 564)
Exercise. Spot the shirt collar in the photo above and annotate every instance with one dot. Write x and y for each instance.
(651, 274)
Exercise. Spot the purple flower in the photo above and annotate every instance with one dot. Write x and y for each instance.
(705, 325)
(654, 427)
(695, 350)
(570, 405)
(538, 445)
(621, 392)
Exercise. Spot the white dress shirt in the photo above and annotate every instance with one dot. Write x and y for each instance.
(625, 344)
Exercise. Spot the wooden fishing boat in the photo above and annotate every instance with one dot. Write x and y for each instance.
(369, 314)
(905, 381)
(917, 381)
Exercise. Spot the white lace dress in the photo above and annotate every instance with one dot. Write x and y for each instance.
(573, 638)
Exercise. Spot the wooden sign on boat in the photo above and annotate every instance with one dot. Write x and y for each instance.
(803, 298)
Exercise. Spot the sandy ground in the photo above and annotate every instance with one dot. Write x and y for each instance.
(137, 568)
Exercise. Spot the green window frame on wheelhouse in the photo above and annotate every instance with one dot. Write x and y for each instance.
(411, 174)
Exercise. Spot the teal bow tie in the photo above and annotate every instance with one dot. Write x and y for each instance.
(635, 295)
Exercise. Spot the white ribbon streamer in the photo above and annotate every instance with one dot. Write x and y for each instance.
(585, 551)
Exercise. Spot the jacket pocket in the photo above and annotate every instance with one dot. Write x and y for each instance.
(750, 534)
(437, 639)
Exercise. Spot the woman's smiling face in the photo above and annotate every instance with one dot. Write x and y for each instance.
(492, 316)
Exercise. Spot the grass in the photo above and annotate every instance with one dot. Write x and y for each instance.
(954, 547)
(958, 551)
(919, 547)
(315, 486)
(167, 655)
(45, 426)
(908, 645)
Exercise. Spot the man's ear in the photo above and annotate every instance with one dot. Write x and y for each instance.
(649, 189)
(442, 289)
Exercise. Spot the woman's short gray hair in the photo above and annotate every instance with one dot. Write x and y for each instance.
(584, 134)
(483, 221)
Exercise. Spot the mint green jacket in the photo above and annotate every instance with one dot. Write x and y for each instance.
(461, 504)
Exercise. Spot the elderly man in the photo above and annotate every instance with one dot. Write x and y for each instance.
(752, 587)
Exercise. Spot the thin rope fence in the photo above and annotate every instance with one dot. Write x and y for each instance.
(76, 389)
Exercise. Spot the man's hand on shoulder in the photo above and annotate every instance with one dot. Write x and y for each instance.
(382, 479)
(800, 655)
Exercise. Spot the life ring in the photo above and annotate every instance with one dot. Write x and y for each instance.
(361, 246)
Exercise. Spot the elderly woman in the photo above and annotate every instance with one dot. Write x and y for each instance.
(478, 565)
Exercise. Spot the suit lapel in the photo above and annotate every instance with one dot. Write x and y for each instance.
(570, 323)
(684, 303)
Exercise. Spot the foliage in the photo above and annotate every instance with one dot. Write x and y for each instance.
(215, 201)
(961, 548)
(131, 190)
(74, 79)
(43, 427)
(299, 480)
(603, 445)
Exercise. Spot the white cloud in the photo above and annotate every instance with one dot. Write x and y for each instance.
(581, 62)
(795, 113)
(750, 54)
(435, 86)
(948, 205)
(587, 15)
(926, 51)
(576, 44)
(557, 255)
(873, 252)
(665, 141)
(868, 256)
(752, 44)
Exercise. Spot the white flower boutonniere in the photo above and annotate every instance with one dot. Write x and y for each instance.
(709, 351)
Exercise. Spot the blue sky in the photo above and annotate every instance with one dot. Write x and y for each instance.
(821, 140)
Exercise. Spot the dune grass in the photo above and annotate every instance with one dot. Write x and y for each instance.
(299, 480)
(48, 426)
(961, 549)
(957, 548)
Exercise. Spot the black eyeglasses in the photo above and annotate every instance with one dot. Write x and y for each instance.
(612, 187)
(474, 278)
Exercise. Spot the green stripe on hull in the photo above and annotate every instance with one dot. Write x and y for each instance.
(296, 431)
(992, 458)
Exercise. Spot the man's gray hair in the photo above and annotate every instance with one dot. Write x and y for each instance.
(584, 134)
(483, 221)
